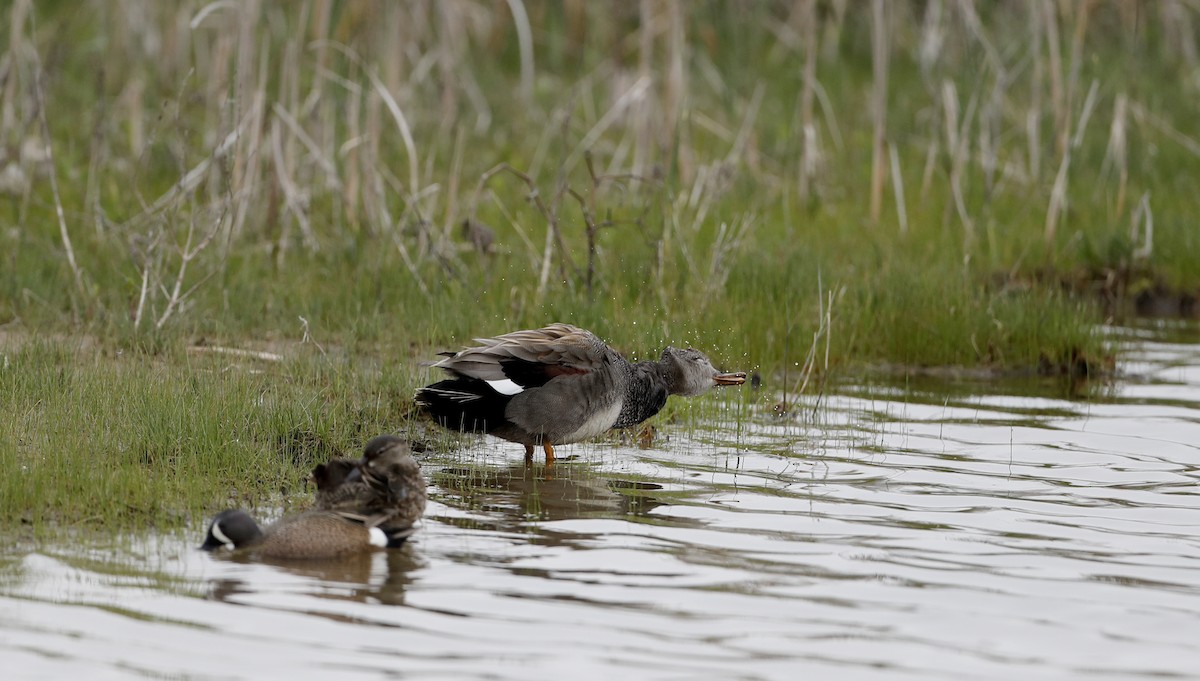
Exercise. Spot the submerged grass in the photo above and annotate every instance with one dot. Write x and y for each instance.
(367, 183)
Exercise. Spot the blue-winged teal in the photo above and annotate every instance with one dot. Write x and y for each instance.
(559, 384)
(309, 535)
(361, 504)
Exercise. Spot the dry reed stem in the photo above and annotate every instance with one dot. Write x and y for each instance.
(1049, 25)
(975, 25)
(675, 92)
(958, 145)
(1144, 116)
(879, 59)
(410, 146)
(810, 154)
(1033, 115)
(525, 43)
(1058, 199)
(1089, 104)
(898, 188)
(22, 10)
(1116, 153)
(296, 204)
(192, 178)
(1082, 12)
(633, 94)
(64, 233)
(1142, 217)
(314, 150)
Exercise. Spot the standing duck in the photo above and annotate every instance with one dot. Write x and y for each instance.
(361, 504)
(559, 384)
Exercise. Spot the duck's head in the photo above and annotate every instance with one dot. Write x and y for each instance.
(690, 373)
(388, 455)
(232, 529)
(388, 461)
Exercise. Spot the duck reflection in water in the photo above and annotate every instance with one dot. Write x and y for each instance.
(560, 492)
(380, 577)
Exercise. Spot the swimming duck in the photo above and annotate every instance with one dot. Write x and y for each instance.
(361, 504)
(559, 384)
(309, 535)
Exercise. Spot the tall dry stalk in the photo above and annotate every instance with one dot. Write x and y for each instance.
(1033, 114)
(880, 49)
(525, 43)
(1116, 152)
(675, 85)
(64, 233)
(810, 154)
(1058, 99)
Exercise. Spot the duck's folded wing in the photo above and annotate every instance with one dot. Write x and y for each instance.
(531, 358)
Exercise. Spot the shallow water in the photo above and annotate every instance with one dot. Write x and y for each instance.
(898, 530)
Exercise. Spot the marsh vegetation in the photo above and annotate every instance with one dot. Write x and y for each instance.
(344, 188)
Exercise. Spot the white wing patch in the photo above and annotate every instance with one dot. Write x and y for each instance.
(378, 538)
(505, 387)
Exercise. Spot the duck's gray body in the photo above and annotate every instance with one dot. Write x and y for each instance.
(559, 384)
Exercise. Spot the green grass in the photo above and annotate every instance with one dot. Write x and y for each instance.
(321, 211)
(96, 439)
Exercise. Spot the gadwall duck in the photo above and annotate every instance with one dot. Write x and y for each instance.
(559, 384)
(361, 504)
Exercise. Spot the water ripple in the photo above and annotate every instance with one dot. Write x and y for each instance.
(934, 530)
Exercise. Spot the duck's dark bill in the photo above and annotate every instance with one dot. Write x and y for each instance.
(736, 378)
(211, 543)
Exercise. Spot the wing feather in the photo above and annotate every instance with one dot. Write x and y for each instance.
(531, 357)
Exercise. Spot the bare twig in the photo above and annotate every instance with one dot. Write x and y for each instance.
(553, 234)
(307, 338)
(192, 178)
(296, 203)
(186, 254)
(236, 352)
(325, 163)
(64, 234)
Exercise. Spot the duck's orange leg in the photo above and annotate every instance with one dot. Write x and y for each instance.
(528, 454)
(549, 449)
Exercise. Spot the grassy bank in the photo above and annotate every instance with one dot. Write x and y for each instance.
(96, 439)
(812, 185)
